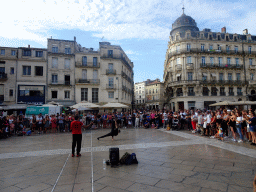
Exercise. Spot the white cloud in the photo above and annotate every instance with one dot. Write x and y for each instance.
(116, 20)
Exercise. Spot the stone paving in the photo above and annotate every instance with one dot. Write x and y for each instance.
(168, 161)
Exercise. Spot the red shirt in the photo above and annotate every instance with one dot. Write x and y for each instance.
(76, 127)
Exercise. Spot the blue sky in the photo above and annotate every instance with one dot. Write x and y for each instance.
(140, 27)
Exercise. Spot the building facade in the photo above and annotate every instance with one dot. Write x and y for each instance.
(66, 73)
(154, 94)
(140, 94)
(204, 67)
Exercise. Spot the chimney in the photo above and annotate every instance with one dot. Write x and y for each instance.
(223, 30)
(28, 46)
(245, 32)
(74, 38)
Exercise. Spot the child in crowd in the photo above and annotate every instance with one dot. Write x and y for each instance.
(153, 125)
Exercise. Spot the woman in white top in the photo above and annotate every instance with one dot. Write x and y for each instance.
(239, 120)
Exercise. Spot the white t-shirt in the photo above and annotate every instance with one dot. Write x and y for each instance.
(39, 119)
(200, 119)
(238, 119)
(208, 118)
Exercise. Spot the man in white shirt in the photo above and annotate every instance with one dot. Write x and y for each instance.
(39, 122)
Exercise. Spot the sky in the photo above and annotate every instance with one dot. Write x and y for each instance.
(140, 27)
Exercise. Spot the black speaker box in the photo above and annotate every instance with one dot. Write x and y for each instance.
(114, 156)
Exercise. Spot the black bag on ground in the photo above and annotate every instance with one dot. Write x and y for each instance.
(124, 158)
(131, 159)
(114, 156)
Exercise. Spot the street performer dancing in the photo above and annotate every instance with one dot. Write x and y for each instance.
(76, 127)
(114, 129)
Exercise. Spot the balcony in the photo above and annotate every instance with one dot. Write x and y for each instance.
(239, 94)
(112, 87)
(60, 83)
(250, 52)
(206, 51)
(87, 65)
(3, 76)
(220, 66)
(88, 81)
(190, 66)
(126, 63)
(184, 82)
(224, 82)
(252, 67)
(110, 72)
(179, 94)
(231, 93)
(124, 88)
(191, 93)
(124, 75)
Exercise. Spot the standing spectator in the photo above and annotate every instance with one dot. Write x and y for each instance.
(61, 123)
(252, 123)
(39, 122)
(54, 124)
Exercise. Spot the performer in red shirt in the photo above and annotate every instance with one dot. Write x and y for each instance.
(76, 127)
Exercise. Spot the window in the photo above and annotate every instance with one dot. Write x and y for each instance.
(153, 91)
(178, 61)
(111, 94)
(177, 48)
(221, 77)
(111, 82)
(204, 77)
(238, 77)
(251, 76)
(55, 49)
(84, 61)
(202, 47)
(149, 91)
(230, 76)
(237, 61)
(188, 35)
(13, 52)
(55, 62)
(11, 92)
(156, 91)
(203, 60)
(12, 70)
(67, 94)
(189, 59)
(84, 74)
(190, 76)
(54, 94)
(68, 50)
(67, 63)
(84, 94)
(54, 78)
(39, 53)
(230, 91)
(2, 51)
(211, 47)
(212, 60)
(219, 47)
(250, 50)
(222, 91)
(67, 79)
(26, 52)
(39, 71)
(227, 48)
(220, 61)
(250, 61)
(95, 95)
(146, 91)
(236, 49)
(110, 53)
(190, 91)
(139, 91)
(136, 87)
(95, 61)
(26, 70)
(239, 91)
(228, 61)
(188, 47)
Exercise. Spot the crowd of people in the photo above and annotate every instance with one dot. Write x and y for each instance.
(221, 124)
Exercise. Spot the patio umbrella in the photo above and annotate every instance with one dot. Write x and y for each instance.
(222, 103)
(114, 105)
(84, 105)
(244, 103)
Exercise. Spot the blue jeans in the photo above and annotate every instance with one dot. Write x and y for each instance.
(239, 130)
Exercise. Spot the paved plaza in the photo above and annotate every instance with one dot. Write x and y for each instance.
(168, 161)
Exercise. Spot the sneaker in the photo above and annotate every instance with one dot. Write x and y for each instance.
(240, 141)
(212, 137)
(225, 137)
(78, 155)
(234, 140)
(73, 155)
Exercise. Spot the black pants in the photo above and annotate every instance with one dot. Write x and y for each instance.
(107, 135)
(77, 139)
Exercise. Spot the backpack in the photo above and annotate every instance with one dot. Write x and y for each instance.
(131, 159)
(124, 158)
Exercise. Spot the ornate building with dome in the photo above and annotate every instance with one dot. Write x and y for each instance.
(205, 67)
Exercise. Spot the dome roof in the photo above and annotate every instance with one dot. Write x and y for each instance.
(184, 23)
